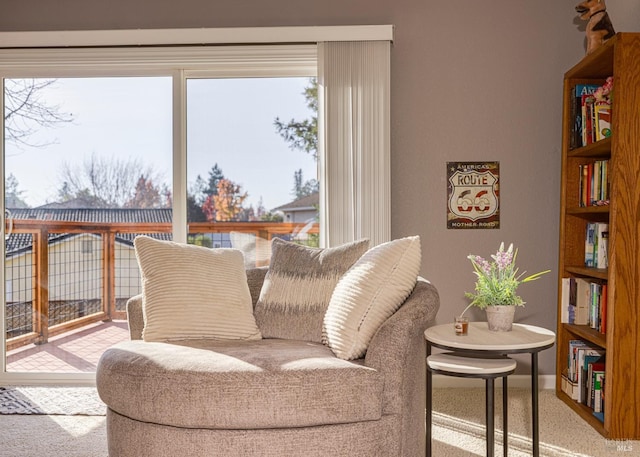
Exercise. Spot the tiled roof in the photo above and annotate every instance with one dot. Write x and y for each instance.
(310, 201)
(22, 242)
(130, 215)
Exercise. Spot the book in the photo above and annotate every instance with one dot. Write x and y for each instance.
(583, 299)
(565, 294)
(575, 140)
(598, 386)
(591, 363)
(583, 352)
(589, 245)
(603, 309)
(603, 120)
(594, 305)
(569, 387)
(586, 108)
(593, 188)
(601, 245)
(572, 357)
(592, 370)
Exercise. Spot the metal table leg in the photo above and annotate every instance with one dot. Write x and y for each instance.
(490, 411)
(505, 409)
(534, 404)
(428, 410)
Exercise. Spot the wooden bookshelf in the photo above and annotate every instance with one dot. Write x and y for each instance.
(619, 58)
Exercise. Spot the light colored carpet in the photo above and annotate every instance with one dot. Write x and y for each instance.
(64, 401)
(458, 430)
(459, 427)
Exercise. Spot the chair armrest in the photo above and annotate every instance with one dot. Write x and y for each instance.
(398, 349)
(135, 317)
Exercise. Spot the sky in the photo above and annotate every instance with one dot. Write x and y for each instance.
(229, 122)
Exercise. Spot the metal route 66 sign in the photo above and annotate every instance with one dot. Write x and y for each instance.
(473, 195)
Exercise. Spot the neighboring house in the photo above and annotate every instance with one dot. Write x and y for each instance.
(303, 209)
(76, 263)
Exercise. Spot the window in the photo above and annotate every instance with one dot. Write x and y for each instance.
(187, 70)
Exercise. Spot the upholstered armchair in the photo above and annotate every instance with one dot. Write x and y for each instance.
(269, 396)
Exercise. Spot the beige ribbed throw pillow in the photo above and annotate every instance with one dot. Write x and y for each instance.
(192, 292)
(369, 293)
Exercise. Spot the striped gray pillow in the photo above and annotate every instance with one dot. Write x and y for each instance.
(298, 287)
(192, 292)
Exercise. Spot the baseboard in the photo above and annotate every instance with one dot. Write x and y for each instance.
(517, 381)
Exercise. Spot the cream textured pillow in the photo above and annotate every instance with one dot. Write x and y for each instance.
(191, 292)
(368, 294)
(298, 286)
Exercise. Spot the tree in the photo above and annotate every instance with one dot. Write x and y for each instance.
(303, 188)
(13, 196)
(215, 176)
(26, 111)
(226, 205)
(194, 210)
(110, 182)
(303, 135)
(146, 195)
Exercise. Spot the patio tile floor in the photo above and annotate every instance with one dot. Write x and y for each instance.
(77, 351)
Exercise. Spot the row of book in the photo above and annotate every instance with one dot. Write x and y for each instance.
(584, 303)
(591, 113)
(584, 378)
(596, 245)
(594, 183)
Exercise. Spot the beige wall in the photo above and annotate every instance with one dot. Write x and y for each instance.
(470, 81)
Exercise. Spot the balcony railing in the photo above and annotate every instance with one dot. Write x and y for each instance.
(65, 275)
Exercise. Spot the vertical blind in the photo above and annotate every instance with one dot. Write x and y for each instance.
(354, 144)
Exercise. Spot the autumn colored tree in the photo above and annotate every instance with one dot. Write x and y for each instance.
(227, 204)
(147, 195)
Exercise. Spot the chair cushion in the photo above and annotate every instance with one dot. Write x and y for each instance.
(193, 292)
(371, 291)
(237, 385)
(298, 286)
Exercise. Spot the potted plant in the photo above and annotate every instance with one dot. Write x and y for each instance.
(496, 287)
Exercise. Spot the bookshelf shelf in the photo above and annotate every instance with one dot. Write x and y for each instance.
(592, 213)
(587, 333)
(584, 412)
(600, 149)
(617, 58)
(598, 273)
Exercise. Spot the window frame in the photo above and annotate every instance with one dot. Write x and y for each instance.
(180, 64)
(114, 53)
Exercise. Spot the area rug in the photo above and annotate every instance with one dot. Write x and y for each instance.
(64, 401)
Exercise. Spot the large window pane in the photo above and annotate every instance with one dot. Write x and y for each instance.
(88, 164)
(251, 163)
